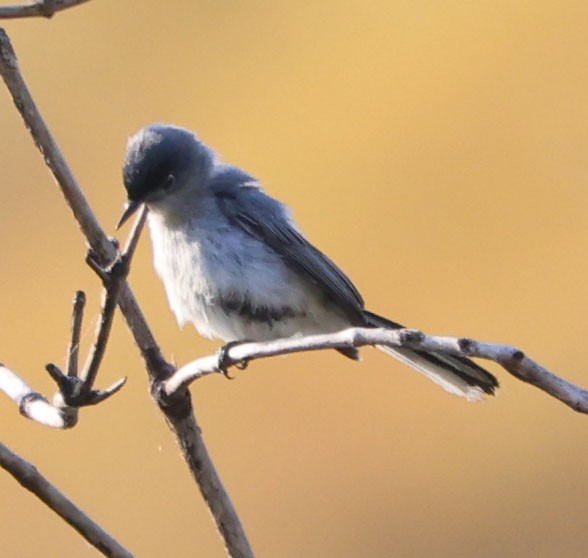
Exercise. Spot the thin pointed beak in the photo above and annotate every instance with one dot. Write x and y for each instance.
(130, 208)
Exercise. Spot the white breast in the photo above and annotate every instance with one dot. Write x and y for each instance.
(199, 266)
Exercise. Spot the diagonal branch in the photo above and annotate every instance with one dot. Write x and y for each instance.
(41, 8)
(513, 360)
(178, 408)
(29, 477)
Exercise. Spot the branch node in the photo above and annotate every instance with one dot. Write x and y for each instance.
(466, 345)
(177, 405)
(110, 273)
(412, 336)
(47, 8)
(76, 392)
(27, 399)
(518, 355)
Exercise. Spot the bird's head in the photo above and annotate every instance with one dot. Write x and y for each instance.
(162, 162)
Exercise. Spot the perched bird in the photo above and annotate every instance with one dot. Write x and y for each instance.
(235, 265)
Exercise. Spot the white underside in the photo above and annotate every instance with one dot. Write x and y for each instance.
(195, 270)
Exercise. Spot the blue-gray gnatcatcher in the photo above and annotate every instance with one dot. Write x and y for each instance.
(235, 265)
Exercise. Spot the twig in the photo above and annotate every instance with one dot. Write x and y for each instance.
(76, 328)
(177, 409)
(113, 279)
(29, 477)
(41, 8)
(32, 404)
(63, 411)
(513, 360)
(135, 235)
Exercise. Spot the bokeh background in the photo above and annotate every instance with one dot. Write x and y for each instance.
(438, 152)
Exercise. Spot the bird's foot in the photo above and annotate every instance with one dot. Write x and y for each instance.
(224, 362)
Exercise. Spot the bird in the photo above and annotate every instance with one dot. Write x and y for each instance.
(234, 263)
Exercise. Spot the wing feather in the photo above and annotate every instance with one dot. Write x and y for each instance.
(266, 219)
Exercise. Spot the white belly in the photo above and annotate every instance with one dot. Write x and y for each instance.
(199, 273)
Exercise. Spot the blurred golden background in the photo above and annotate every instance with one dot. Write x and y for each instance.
(438, 152)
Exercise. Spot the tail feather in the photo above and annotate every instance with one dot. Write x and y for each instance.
(458, 375)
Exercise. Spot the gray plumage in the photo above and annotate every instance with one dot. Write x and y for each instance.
(235, 265)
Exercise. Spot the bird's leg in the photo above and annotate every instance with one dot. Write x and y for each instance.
(224, 361)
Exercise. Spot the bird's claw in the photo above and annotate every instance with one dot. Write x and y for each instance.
(224, 362)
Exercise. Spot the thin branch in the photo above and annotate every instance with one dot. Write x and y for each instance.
(513, 360)
(41, 8)
(205, 474)
(102, 248)
(32, 404)
(177, 409)
(113, 279)
(29, 477)
(54, 159)
(63, 411)
(76, 328)
(96, 354)
(135, 235)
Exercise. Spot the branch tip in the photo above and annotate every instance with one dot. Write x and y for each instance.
(79, 298)
(98, 396)
(55, 372)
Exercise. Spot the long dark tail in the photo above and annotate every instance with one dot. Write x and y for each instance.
(458, 375)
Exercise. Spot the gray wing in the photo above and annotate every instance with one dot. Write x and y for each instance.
(264, 218)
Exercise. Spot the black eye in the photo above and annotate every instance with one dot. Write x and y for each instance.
(168, 182)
